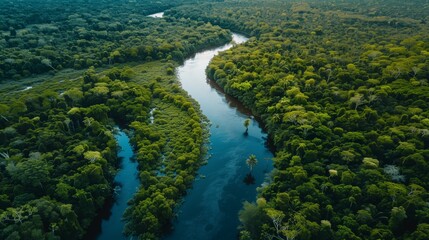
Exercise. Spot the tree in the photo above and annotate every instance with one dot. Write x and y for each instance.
(251, 161)
(246, 125)
(397, 216)
(422, 232)
(277, 218)
(48, 63)
(4, 109)
(252, 217)
(357, 100)
(32, 172)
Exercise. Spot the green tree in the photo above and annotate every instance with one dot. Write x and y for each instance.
(422, 232)
(246, 124)
(32, 172)
(397, 216)
(252, 217)
(251, 162)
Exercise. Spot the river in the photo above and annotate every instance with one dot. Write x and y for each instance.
(210, 209)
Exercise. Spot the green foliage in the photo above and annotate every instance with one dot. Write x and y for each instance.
(67, 159)
(251, 161)
(343, 96)
(342, 91)
(252, 217)
(169, 153)
(93, 34)
(246, 124)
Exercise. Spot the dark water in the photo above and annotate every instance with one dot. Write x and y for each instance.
(111, 228)
(210, 210)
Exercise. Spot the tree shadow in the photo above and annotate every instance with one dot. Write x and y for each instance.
(249, 179)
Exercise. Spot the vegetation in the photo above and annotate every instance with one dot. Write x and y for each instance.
(342, 89)
(58, 155)
(246, 124)
(40, 36)
(169, 154)
(41, 178)
(251, 161)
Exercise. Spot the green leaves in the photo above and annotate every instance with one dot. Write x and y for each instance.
(31, 172)
(251, 161)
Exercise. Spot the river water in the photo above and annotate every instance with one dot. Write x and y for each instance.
(210, 210)
(127, 178)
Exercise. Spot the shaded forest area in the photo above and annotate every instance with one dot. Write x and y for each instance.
(342, 87)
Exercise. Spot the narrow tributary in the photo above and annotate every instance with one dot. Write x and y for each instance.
(127, 179)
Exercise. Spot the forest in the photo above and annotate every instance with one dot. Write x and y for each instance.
(80, 35)
(343, 94)
(58, 155)
(341, 87)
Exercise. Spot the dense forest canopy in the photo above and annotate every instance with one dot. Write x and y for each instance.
(41, 36)
(58, 154)
(340, 85)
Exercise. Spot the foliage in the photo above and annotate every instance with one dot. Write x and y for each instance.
(40, 36)
(68, 157)
(246, 124)
(340, 85)
(169, 154)
(57, 138)
(343, 94)
(57, 146)
(251, 161)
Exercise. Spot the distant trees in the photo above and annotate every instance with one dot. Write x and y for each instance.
(345, 103)
(48, 63)
(34, 49)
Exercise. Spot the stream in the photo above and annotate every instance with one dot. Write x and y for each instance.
(210, 209)
(127, 178)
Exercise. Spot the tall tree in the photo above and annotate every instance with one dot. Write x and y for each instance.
(251, 161)
(246, 125)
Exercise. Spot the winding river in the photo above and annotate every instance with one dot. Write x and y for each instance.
(210, 210)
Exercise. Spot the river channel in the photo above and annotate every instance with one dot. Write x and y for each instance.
(128, 182)
(210, 209)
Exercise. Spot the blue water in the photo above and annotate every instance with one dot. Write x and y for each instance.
(127, 177)
(210, 210)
